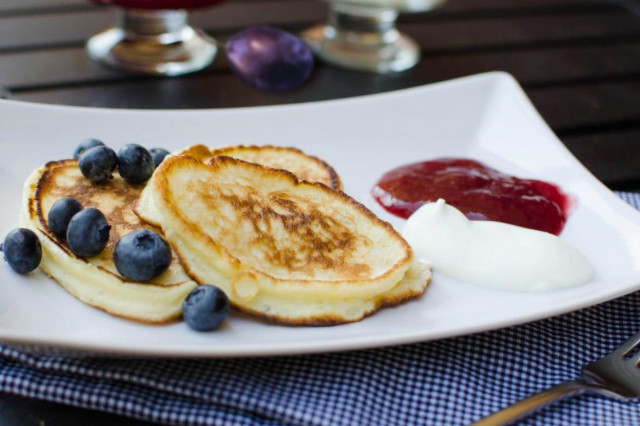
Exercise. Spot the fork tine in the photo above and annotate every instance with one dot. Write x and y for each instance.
(628, 346)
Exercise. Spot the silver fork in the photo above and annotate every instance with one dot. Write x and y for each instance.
(616, 375)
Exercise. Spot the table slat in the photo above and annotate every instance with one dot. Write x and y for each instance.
(37, 6)
(611, 156)
(567, 108)
(543, 6)
(523, 32)
(73, 28)
(33, 70)
(541, 65)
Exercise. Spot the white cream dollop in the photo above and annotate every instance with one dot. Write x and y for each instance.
(493, 254)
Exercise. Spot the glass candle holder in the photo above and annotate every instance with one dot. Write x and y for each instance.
(154, 37)
(362, 35)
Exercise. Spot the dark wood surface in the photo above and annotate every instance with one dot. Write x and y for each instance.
(578, 60)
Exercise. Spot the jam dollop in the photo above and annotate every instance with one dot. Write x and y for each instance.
(480, 192)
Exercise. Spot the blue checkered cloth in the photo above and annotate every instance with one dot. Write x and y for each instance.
(454, 381)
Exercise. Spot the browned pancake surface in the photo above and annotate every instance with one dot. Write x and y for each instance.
(304, 166)
(114, 198)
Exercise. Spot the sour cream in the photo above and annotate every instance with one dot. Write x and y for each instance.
(493, 254)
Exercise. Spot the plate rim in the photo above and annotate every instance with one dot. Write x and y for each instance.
(288, 349)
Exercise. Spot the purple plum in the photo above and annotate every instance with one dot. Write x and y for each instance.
(269, 59)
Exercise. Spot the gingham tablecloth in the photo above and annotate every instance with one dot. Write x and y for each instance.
(454, 381)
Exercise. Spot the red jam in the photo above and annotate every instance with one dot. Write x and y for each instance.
(480, 192)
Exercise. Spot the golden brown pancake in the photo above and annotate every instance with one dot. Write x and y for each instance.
(282, 248)
(304, 166)
(96, 280)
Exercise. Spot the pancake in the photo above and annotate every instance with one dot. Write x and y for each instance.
(304, 166)
(281, 248)
(95, 280)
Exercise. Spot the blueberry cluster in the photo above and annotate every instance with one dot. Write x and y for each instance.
(139, 255)
(135, 163)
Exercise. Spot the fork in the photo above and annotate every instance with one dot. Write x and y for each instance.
(616, 375)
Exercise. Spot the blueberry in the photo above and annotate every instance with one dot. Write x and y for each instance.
(141, 255)
(60, 214)
(97, 164)
(205, 308)
(135, 163)
(158, 155)
(22, 250)
(88, 232)
(86, 145)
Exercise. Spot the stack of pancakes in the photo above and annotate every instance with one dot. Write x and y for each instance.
(268, 225)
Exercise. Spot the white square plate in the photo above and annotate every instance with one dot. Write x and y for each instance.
(486, 117)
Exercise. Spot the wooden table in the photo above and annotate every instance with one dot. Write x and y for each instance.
(578, 60)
